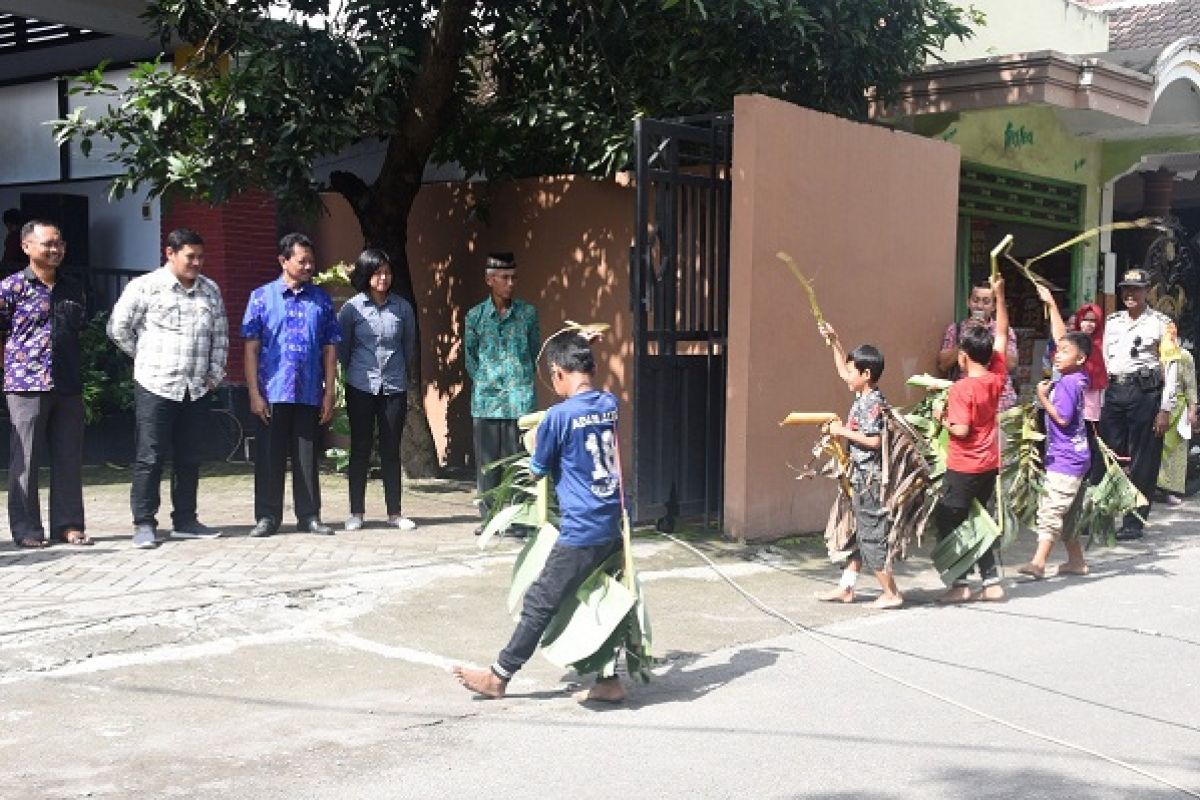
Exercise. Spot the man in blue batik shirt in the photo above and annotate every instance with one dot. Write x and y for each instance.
(291, 334)
(577, 447)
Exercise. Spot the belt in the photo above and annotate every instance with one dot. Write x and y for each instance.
(1130, 377)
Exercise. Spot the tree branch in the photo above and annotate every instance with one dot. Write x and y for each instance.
(430, 96)
(351, 187)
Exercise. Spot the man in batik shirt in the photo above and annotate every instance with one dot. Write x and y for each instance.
(501, 346)
(291, 334)
(42, 313)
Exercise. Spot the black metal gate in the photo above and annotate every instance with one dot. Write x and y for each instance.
(679, 275)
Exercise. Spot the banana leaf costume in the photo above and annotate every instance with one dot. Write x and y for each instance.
(607, 614)
(905, 482)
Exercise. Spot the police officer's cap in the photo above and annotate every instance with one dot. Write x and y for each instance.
(1135, 277)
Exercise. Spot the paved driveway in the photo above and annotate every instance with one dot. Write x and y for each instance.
(302, 666)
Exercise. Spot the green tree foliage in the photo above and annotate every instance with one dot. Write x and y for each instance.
(517, 87)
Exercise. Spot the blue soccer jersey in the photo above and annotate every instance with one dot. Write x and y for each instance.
(577, 448)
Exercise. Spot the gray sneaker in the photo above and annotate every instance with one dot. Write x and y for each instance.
(353, 523)
(195, 530)
(143, 537)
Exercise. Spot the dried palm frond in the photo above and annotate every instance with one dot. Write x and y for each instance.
(806, 282)
(907, 482)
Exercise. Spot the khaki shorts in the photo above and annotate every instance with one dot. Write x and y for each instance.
(1058, 495)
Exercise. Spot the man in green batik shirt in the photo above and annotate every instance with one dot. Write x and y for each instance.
(502, 342)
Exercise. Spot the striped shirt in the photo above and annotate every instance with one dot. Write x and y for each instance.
(178, 337)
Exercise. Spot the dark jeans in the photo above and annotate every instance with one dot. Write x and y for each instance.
(294, 433)
(1127, 426)
(959, 489)
(165, 428)
(566, 568)
(494, 439)
(58, 420)
(368, 413)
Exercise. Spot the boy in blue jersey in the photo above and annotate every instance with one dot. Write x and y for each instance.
(576, 446)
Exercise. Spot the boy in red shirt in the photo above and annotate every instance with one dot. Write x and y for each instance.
(973, 459)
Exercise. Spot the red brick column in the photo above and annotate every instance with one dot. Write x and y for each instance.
(240, 245)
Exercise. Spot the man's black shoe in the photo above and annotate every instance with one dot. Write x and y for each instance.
(1129, 534)
(315, 525)
(264, 527)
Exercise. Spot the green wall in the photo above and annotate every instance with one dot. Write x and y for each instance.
(1031, 140)
(1119, 157)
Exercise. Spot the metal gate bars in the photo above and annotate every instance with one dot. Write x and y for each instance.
(679, 278)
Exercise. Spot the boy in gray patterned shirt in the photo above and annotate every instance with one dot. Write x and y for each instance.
(863, 433)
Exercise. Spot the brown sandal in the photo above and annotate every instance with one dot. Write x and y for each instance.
(31, 543)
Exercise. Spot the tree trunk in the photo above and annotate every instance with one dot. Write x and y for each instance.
(385, 225)
(382, 208)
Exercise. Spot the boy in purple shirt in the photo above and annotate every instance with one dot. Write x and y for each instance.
(1068, 456)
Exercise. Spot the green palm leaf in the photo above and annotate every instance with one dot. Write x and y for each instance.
(529, 565)
(955, 554)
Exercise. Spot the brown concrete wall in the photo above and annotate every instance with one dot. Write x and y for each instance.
(571, 237)
(870, 215)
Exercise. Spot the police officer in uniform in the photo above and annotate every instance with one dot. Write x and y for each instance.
(1141, 390)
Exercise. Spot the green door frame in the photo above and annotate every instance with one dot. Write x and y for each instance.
(1018, 187)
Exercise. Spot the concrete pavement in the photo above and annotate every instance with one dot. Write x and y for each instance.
(303, 666)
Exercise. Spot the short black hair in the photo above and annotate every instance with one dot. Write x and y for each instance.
(867, 358)
(1082, 342)
(369, 262)
(28, 228)
(182, 237)
(978, 342)
(289, 243)
(570, 352)
(12, 216)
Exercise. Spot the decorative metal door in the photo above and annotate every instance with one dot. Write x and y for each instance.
(1173, 261)
(679, 269)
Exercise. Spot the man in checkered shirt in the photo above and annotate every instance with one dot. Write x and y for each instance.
(172, 321)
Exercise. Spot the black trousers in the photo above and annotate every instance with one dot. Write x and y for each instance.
(566, 568)
(959, 489)
(494, 439)
(1127, 426)
(165, 428)
(293, 433)
(369, 413)
(56, 419)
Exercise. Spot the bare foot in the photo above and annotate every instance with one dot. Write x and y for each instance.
(1072, 568)
(992, 592)
(955, 594)
(607, 690)
(838, 595)
(1032, 570)
(480, 681)
(888, 601)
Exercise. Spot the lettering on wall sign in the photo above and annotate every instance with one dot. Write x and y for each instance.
(1015, 138)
